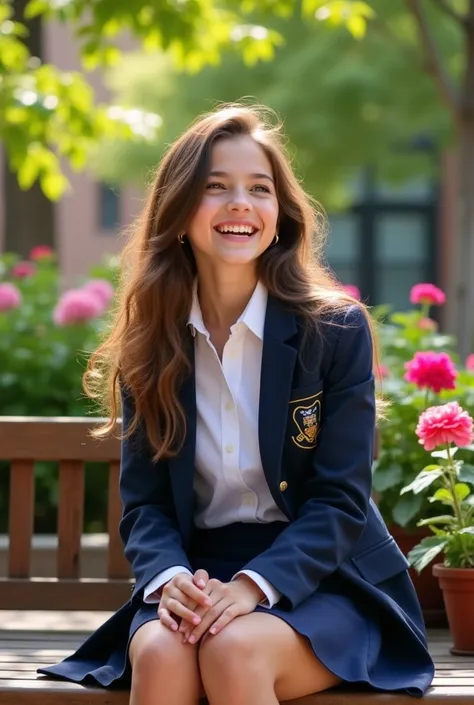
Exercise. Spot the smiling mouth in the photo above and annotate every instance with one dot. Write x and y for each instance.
(240, 231)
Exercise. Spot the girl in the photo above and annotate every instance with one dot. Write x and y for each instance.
(263, 570)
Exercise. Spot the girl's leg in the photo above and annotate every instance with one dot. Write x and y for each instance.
(258, 658)
(164, 670)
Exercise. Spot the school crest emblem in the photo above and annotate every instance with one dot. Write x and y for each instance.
(306, 419)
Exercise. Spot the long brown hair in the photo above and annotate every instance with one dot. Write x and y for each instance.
(144, 348)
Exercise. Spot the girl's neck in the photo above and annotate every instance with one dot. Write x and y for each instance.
(224, 296)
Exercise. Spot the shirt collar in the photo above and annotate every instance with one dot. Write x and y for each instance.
(253, 316)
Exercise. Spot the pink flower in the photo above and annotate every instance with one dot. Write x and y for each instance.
(470, 362)
(102, 288)
(427, 294)
(381, 372)
(22, 270)
(353, 291)
(10, 297)
(427, 324)
(433, 370)
(77, 306)
(444, 424)
(41, 252)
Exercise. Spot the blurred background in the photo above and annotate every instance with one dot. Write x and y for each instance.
(377, 100)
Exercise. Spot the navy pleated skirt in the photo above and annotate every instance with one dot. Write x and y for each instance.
(351, 632)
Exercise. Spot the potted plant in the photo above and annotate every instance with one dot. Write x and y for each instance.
(442, 430)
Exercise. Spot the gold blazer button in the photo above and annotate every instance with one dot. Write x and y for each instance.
(283, 486)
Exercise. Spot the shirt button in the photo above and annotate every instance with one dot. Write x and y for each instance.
(249, 499)
(283, 486)
(229, 449)
(229, 406)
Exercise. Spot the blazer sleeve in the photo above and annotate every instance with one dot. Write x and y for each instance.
(148, 527)
(336, 493)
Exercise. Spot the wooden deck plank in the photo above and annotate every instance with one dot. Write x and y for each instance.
(22, 652)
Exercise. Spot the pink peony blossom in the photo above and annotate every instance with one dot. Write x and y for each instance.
(431, 370)
(427, 294)
(353, 291)
(41, 252)
(77, 306)
(10, 297)
(102, 288)
(427, 324)
(448, 423)
(22, 270)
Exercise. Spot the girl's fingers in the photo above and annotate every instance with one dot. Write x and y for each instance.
(166, 619)
(201, 578)
(209, 619)
(227, 616)
(180, 610)
(193, 592)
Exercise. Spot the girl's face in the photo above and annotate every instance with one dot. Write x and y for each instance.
(237, 218)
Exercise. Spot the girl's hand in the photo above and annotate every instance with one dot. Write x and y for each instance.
(176, 596)
(229, 600)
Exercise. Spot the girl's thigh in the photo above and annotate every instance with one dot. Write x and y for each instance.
(280, 652)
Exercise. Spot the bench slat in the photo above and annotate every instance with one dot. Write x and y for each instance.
(70, 517)
(21, 517)
(117, 566)
(64, 594)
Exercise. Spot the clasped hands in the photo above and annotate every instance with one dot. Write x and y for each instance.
(205, 605)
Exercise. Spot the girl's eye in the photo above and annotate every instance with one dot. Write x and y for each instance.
(214, 185)
(261, 188)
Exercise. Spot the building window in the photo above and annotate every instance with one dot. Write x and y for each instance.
(109, 207)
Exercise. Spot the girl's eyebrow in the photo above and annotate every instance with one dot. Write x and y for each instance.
(223, 174)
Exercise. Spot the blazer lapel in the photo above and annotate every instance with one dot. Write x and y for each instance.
(181, 467)
(278, 364)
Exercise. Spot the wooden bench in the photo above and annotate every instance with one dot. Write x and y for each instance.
(23, 648)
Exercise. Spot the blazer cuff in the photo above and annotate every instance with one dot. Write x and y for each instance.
(150, 591)
(271, 593)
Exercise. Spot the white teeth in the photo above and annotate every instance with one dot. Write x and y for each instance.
(237, 229)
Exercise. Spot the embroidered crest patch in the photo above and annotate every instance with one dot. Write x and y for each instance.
(306, 418)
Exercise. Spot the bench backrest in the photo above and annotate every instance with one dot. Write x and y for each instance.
(67, 441)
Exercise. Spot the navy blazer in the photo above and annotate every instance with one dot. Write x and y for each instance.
(316, 435)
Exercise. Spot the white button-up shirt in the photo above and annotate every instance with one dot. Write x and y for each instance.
(230, 484)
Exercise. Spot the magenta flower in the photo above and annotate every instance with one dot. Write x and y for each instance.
(470, 362)
(101, 288)
(427, 294)
(431, 370)
(353, 291)
(77, 306)
(10, 297)
(41, 252)
(444, 424)
(23, 270)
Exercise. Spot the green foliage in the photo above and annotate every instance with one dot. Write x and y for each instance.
(46, 114)
(453, 533)
(340, 111)
(41, 366)
(401, 454)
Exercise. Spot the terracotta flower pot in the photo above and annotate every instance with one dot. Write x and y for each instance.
(457, 585)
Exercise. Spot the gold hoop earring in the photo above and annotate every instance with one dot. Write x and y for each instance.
(181, 238)
(275, 240)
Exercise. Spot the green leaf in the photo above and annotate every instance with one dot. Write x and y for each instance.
(384, 478)
(444, 453)
(54, 185)
(406, 508)
(462, 491)
(444, 496)
(422, 481)
(466, 473)
(442, 519)
(421, 555)
(467, 530)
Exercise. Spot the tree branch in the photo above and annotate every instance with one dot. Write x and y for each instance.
(434, 62)
(449, 11)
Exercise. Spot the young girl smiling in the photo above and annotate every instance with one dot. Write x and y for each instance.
(263, 571)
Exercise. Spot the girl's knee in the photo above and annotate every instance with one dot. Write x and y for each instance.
(154, 648)
(230, 651)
